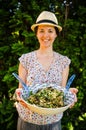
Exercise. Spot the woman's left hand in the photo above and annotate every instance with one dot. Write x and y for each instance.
(74, 91)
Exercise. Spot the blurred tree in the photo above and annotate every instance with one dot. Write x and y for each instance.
(16, 38)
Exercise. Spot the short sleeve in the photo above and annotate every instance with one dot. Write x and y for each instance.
(65, 61)
(25, 59)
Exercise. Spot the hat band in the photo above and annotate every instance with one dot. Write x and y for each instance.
(46, 21)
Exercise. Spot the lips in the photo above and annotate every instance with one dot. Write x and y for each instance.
(46, 40)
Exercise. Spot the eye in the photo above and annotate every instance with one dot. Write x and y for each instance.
(50, 31)
(41, 30)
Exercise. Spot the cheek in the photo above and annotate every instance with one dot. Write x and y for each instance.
(54, 36)
(38, 35)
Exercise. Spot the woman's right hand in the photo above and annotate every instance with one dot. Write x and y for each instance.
(18, 93)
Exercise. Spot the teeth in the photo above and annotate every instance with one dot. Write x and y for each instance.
(46, 40)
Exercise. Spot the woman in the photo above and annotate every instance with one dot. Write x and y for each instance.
(42, 66)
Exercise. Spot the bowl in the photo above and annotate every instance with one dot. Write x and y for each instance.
(68, 100)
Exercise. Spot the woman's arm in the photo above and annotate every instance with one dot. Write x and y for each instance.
(65, 74)
(22, 74)
(64, 81)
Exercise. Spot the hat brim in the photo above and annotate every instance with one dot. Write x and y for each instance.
(50, 24)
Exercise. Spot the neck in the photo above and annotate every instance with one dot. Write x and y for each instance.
(46, 52)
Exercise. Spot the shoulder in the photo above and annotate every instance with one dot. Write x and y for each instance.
(26, 58)
(26, 55)
(60, 56)
(62, 59)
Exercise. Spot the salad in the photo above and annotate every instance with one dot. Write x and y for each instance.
(47, 98)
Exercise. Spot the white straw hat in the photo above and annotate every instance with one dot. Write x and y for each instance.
(47, 18)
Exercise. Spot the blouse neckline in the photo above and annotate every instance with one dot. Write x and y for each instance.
(42, 67)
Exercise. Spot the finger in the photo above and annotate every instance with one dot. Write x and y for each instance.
(18, 94)
(72, 105)
(73, 90)
(18, 91)
(75, 98)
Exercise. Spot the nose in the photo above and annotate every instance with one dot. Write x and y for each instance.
(46, 34)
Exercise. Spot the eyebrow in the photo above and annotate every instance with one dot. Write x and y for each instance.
(43, 28)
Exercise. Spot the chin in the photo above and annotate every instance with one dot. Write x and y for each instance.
(46, 45)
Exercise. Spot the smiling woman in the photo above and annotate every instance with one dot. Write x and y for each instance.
(42, 66)
(46, 35)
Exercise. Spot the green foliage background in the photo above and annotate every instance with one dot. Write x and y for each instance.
(16, 38)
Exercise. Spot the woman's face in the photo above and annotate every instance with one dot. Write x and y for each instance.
(46, 35)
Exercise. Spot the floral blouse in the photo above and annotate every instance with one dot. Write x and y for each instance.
(37, 75)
